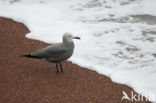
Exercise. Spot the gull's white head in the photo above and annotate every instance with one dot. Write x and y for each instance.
(68, 37)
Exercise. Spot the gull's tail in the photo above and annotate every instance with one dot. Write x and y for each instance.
(30, 56)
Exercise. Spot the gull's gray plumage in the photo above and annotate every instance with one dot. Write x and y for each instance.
(57, 52)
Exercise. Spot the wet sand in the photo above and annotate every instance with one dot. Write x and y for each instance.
(24, 80)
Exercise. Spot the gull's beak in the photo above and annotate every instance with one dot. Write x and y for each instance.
(76, 38)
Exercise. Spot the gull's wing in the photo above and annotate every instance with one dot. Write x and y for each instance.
(52, 51)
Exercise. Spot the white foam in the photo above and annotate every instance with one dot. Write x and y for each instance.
(112, 43)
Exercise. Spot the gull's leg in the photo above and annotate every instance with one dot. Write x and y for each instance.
(57, 68)
(61, 66)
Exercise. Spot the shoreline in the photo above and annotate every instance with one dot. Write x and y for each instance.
(24, 80)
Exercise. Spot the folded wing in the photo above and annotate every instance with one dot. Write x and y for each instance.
(50, 52)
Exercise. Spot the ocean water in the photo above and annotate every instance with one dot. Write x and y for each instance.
(118, 37)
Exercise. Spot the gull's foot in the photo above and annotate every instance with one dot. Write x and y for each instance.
(64, 73)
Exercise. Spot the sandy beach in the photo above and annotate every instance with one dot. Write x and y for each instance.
(24, 80)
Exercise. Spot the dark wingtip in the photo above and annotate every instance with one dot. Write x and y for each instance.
(30, 56)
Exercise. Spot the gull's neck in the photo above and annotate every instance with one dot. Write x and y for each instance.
(68, 43)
